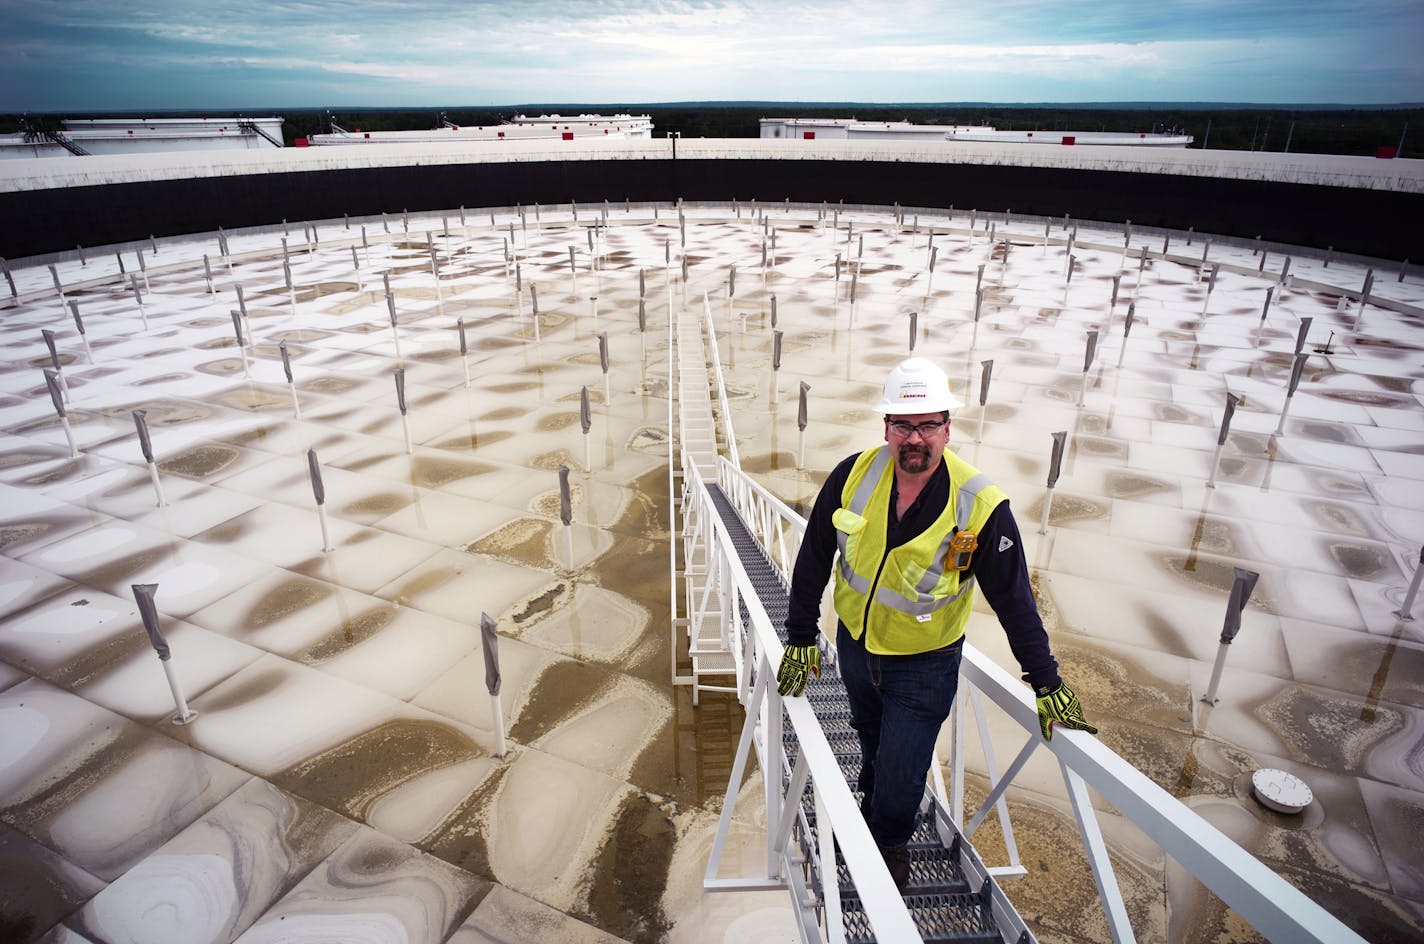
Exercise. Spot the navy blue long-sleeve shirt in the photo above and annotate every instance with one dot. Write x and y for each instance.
(998, 567)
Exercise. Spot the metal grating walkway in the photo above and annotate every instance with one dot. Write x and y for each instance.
(939, 897)
(698, 439)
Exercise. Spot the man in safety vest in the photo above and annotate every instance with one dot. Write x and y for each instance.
(915, 528)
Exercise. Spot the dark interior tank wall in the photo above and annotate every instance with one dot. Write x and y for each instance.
(1374, 223)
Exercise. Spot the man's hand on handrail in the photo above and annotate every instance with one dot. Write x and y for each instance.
(797, 664)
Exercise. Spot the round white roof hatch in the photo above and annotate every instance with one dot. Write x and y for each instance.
(1281, 791)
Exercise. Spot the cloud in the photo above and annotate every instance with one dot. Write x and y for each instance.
(421, 51)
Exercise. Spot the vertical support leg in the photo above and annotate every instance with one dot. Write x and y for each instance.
(184, 713)
(69, 436)
(497, 714)
(1210, 696)
(157, 485)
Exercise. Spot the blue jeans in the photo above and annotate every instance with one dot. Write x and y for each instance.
(897, 705)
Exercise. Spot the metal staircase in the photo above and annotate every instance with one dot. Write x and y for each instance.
(250, 127)
(942, 901)
(951, 896)
(35, 134)
(707, 646)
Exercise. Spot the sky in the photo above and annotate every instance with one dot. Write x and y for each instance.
(58, 55)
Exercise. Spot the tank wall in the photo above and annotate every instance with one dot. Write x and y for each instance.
(1374, 223)
(139, 145)
(23, 152)
(890, 134)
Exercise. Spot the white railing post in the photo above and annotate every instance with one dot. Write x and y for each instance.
(830, 877)
(726, 601)
(995, 798)
(956, 808)
(674, 501)
(790, 805)
(773, 760)
(734, 619)
(721, 386)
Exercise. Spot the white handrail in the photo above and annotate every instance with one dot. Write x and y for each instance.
(1265, 900)
(674, 504)
(884, 907)
(763, 512)
(721, 386)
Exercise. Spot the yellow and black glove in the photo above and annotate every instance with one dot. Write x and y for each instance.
(798, 663)
(1061, 705)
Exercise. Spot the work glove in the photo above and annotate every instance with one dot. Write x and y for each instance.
(1061, 705)
(796, 663)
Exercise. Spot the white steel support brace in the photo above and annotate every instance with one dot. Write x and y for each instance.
(726, 411)
(1270, 904)
(835, 923)
(790, 804)
(771, 761)
(937, 786)
(992, 766)
(710, 881)
(750, 659)
(1114, 908)
(725, 595)
(996, 795)
(961, 700)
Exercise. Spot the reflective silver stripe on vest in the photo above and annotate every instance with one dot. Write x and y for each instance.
(895, 601)
(861, 499)
(968, 492)
(857, 583)
(964, 508)
(858, 503)
(936, 569)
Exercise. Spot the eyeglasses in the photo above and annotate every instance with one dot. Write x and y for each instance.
(903, 430)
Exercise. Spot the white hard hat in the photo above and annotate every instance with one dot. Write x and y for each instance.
(917, 386)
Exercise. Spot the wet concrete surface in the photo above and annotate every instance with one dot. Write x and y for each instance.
(631, 871)
(608, 764)
(353, 775)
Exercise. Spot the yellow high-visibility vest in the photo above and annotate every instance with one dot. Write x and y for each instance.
(911, 599)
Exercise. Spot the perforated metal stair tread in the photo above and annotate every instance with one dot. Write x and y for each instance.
(939, 918)
(931, 873)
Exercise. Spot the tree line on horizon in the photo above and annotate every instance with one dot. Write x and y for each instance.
(1360, 131)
